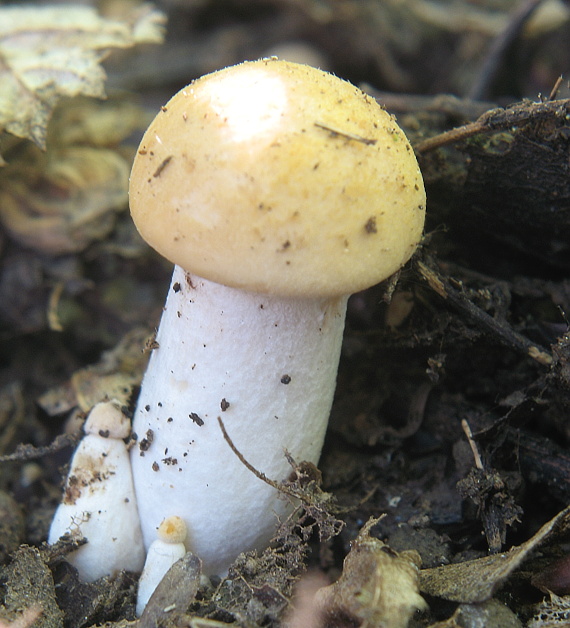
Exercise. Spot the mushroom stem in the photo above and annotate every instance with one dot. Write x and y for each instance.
(163, 552)
(99, 499)
(267, 365)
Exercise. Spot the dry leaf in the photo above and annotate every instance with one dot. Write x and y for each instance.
(477, 580)
(60, 201)
(552, 612)
(47, 53)
(84, 121)
(115, 375)
(378, 586)
(175, 592)
(67, 206)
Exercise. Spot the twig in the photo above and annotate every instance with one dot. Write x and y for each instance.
(348, 136)
(247, 464)
(499, 119)
(451, 136)
(476, 456)
(497, 328)
(29, 452)
(554, 91)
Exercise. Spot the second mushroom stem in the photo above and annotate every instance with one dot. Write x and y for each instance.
(267, 365)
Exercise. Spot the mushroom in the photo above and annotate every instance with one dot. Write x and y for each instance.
(277, 190)
(99, 499)
(163, 552)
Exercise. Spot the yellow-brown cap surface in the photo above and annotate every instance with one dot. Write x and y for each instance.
(277, 177)
(172, 530)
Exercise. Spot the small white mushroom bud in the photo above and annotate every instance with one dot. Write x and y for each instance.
(163, 552)
(99, 501)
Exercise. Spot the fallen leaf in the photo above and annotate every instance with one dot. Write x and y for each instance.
(115, 375)
(552, 612)
(175, 592)
(61, 200)
(477, 580)
(68, 202)
(85, 121)
(378, 586)
(47, 53)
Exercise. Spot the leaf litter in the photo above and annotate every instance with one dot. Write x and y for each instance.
(258, 588)
(48, 53)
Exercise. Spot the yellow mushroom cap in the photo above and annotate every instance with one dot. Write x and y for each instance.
(172, 530)
(279, 178)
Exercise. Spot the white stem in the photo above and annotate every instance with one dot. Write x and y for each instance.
(99, 499)
(163, 552)
(267, 366)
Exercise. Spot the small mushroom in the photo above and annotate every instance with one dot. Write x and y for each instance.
(99, 499)
(162, 554)
(277, 190)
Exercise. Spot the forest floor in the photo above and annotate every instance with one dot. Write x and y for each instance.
(448, 441)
